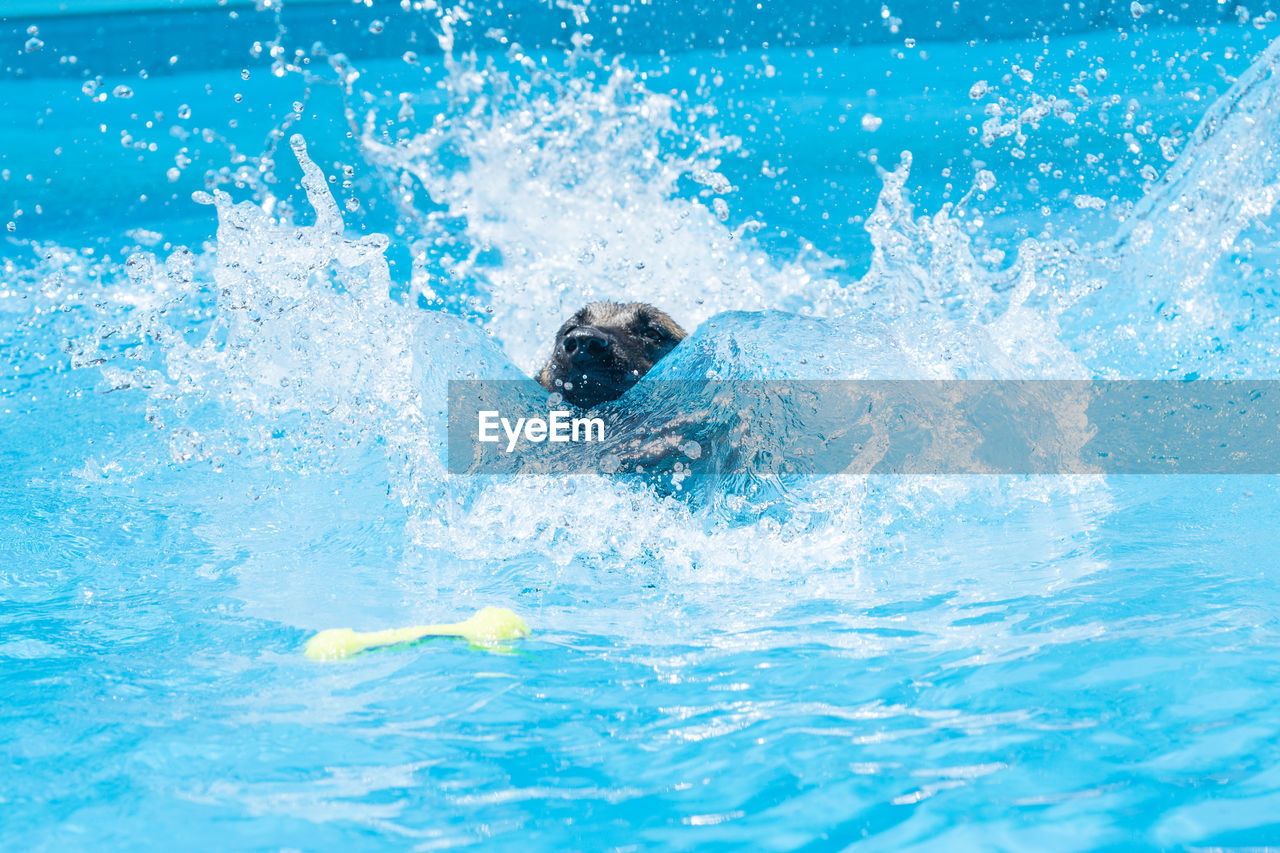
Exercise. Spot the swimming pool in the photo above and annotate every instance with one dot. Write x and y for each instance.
(246, 245)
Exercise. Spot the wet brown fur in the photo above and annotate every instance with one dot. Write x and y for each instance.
(604, 349)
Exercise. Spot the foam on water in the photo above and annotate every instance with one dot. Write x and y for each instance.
(574, 184)
(282, 347)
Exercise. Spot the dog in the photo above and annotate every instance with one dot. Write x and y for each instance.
(603, 350)
(688, 441)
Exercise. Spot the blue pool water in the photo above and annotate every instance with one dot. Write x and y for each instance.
(221, 420)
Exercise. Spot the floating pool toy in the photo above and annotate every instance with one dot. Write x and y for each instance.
(490, 627)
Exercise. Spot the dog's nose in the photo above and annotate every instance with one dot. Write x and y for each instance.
(585, 343)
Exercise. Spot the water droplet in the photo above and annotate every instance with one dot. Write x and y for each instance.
(410, 57)
(244, 73)
(985, 180)
(871, 122)
(184, 112)
(12, 226)
(122, 91)
(33, 44)
(721, 209)
(376, 27)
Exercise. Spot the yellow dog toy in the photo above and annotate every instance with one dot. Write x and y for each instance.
(489, 627)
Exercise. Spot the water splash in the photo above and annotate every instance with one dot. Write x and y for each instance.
(1226, 180)
(286, 345)
(295, 405)
(540, 189)
(550, 191)
(1183, 247)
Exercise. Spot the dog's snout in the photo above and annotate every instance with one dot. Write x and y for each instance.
(585, 343)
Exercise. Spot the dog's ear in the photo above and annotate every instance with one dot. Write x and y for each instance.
(660, 322)
(544, 377)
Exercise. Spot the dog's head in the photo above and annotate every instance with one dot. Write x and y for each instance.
(605, 348)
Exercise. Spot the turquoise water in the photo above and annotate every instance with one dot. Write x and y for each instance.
(222, 419)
